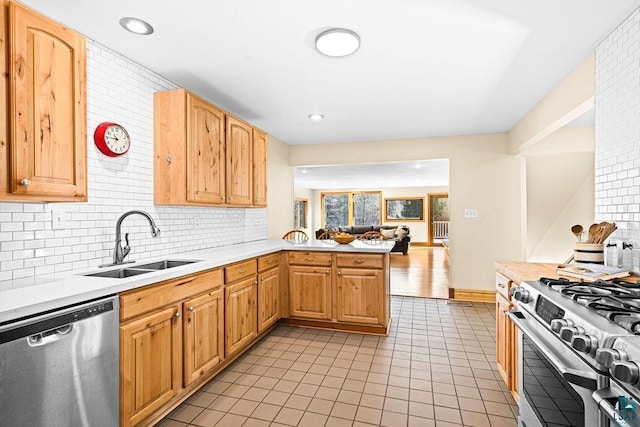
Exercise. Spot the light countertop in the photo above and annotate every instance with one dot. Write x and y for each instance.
(25, 297)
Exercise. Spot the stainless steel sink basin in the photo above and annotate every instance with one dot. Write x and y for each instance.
(119, 274)
(134, 270)
(163, 265)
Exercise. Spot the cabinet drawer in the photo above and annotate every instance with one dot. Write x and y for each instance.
(240, 271)
(139, 301)
(268, 261)
(310, 258)
(360, 260)
(503, 285)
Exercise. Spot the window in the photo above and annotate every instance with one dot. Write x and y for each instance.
(300, 213)
(361, 208)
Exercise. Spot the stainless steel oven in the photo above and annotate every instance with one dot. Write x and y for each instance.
(555, 385)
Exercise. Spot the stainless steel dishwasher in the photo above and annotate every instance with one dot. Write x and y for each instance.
(61, 368)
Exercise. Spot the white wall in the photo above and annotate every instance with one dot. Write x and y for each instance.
(28, 244)
(482, 176)
(617, 116)
(280, 189)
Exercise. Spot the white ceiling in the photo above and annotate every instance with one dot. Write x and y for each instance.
(424, 173)
(425, 67)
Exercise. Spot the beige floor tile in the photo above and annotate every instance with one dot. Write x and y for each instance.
(423, 410)
(231, 420)
(202, 399)
(493, 396)
(236, 390)
(368, 415)
(447, 414)
(397, 392)
(275, 397)
(320, 406)
(414, 421)
(393, 419)
(208, 418)
(254, 422)
(377, 389)
(243, 407)
(327, 393)
(396, 405)
(289, 416)
(339, 422)
(266, 411)
(372, 401)
(346, 396)
(475, 419)
(445, 400)
(344, 410)
(310, 419)
(223, 403)
(297, 401)
(353, 385)
(256, 394)
(171, 423)
(497, 421)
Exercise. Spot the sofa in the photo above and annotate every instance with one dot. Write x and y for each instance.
(401, 244)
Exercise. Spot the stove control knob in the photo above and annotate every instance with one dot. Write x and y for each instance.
(584, 343)
(625, 371)
(557, 324)
(606, 356)
(521, 295)
(567, 332)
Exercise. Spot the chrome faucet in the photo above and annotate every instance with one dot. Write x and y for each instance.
(119, 253)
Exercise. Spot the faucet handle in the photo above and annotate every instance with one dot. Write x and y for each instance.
(127, 248)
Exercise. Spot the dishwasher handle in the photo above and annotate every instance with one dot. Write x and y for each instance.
(47, 337)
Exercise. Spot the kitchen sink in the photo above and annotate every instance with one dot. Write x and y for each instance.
(119, 274)
(164, 264)
(141, 269)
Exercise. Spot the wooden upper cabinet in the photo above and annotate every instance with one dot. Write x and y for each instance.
(239, 162)
(259, 168)
(46, 154)
(205, 152)
(188, 150)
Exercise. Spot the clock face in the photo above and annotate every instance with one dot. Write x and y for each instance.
(117, 139)
(112, 139)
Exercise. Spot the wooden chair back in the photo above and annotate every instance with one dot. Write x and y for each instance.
(327, 235)
(296, 236)
(370, 236)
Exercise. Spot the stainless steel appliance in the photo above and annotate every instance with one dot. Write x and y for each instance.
(577, 362)
(61, 368)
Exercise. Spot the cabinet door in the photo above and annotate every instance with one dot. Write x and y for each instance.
(359, 296)
(503, 338)
(259, 168)
(310, 292)
(268, 298)
(203, 335)
(47, 96)
(150, 363)
(238, 166)
(240, 314)
(205, 152)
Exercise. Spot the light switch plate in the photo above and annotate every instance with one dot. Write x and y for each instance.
(59, 219)
(471, 213)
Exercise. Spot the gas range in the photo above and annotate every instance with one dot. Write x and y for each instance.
(589, 334)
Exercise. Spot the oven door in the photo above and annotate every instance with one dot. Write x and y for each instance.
(555, 385)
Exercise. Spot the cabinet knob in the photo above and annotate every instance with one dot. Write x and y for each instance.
(191, 309)
(169, 159)
(329, 271)
(25, 182)
(339, 273)
(177, 314)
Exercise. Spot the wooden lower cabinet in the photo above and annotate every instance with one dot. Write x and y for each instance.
(203, 335)
(268, 298)
(240, 314)
(150, 363)
(310, 292)
(359, 296)
(503, 339)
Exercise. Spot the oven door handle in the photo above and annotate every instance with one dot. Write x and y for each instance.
(571, 375)
(603, 398)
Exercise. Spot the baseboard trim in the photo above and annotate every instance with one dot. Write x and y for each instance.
(472, 295)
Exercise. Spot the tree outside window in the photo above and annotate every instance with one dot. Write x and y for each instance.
(361, 208)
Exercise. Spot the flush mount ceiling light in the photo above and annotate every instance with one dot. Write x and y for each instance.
(337, 42)
(136, 26)
(316, 117)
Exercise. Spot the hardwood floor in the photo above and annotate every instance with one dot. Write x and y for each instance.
(423, 272)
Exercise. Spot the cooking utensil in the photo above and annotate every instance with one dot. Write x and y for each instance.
(577, 231)
(592, 231)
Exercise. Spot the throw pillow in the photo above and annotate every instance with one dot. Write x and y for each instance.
(401, 232)
(388, 234)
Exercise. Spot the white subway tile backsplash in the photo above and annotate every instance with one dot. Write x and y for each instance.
(617, 126)
(115, 186)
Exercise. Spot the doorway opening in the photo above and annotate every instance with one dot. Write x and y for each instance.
(438, 233)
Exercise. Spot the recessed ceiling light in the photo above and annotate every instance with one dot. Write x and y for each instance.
(337, 42)
(316, 117)
(136, 26)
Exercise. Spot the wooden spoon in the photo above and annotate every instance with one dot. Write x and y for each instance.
(592, 233)
(577, 231)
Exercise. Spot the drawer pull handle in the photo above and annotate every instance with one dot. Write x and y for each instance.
(309, 259)
(184, 283)
(358, 261)
(242, 271)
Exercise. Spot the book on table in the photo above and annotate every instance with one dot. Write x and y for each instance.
(592, 272)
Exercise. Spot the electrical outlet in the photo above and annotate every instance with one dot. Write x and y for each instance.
(471, 213)
(59, 219)
(196, 221)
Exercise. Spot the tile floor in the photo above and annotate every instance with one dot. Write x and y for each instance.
(436, 368)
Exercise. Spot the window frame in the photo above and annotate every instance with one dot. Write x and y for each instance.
(305, 211)
(350, 208)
